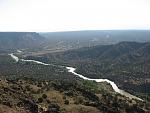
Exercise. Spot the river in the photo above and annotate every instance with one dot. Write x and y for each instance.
(72, 70)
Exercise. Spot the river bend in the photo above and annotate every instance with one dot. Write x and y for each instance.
(72, 70)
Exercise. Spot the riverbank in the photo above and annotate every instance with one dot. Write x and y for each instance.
(72, 70)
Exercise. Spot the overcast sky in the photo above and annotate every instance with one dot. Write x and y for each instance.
(68, 15)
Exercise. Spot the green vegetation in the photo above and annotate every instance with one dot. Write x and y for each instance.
(91, 85)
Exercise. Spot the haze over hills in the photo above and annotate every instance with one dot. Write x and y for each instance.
(76, 39)
(20, 40)
(69, 40)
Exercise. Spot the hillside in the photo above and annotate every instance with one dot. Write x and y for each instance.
(47, 96)
(126, 63)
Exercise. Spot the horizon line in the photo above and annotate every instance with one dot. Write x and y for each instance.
(79, 30)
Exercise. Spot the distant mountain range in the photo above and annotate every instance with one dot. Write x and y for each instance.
(20, 40)
(69, 40)
(76, 39)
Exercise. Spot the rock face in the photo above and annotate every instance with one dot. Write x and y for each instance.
(20, 40)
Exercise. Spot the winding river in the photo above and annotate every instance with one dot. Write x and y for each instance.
(72, 70)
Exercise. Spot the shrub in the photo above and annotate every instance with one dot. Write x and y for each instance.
(44, 96)
(48, 101)
(66, 102)
(40, 100)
